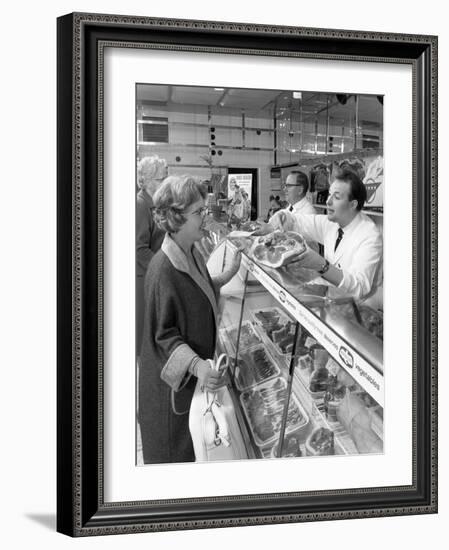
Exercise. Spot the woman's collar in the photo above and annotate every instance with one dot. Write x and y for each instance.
(176, 254)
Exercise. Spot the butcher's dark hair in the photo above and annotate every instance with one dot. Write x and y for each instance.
(301, 179)
(357, 187)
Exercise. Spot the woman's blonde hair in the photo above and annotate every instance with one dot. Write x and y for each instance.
(173, 198)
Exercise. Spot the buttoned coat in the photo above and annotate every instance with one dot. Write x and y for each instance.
(179, 326)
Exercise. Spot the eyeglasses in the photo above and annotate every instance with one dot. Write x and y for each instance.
(291, 185)
(201, 211)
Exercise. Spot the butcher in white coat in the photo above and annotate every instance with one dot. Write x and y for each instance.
(296, 187)
(353, 245)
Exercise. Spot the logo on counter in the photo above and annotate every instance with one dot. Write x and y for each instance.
(250, 266)
(346, 357)
(282, 297)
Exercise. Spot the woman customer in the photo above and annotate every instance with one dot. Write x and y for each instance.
(151, 172)
(180, 324)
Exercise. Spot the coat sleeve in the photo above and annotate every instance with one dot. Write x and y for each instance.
(143, 236)
(177, 356)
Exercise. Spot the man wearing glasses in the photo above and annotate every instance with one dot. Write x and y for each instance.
(296, 187)
(353, 247)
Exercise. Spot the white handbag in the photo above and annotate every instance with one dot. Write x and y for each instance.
(213, 424)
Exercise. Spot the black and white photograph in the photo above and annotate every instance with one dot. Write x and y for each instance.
(246, 274)
(259, 273)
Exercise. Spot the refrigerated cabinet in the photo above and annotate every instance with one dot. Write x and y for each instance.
(306, 374)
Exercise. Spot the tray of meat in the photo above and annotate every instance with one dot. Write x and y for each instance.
(278, 328)
(320, 442)
(311, 368)
(277, 248)
(253, 367)
(291, 447)
(248, 335)
(263, 406)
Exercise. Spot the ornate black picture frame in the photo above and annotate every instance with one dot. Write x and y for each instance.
(81, 509)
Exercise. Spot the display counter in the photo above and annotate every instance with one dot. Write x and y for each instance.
(306, 370)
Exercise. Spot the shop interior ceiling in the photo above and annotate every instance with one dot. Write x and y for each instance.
(309, 106)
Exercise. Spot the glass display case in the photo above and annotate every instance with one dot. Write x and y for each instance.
(306, 370)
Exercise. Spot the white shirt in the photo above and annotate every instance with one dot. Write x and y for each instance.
(302, 207)
(359, 254)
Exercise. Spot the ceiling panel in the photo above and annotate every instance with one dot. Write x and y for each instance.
(310, 106)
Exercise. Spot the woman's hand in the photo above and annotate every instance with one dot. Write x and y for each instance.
(210, 379)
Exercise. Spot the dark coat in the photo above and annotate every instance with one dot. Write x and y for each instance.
(179, 326)
(148, 241)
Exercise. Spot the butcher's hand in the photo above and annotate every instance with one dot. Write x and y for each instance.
(210, 379)
(281, 221)
(309, 258)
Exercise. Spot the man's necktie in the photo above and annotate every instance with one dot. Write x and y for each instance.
(339, 238)
(291, 208)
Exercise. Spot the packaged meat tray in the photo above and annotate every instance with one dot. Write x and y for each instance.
(248, 335)
(263, 406)
(291, 447)
(278, 328)
(277, 248)
(320, 442)
(253, 367)
(311, 369)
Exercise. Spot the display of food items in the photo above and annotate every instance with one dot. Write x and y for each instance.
(320, 442)
(304, 360)
(248, 336)
(319, 380)
(254, 366)
(320, 356)
(279, 328)
(335, 393)
(275, 249)
(283, 338)
(372, 320)
(264, 406)
(290, 448)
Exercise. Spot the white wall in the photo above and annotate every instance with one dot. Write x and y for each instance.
(27, 399)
